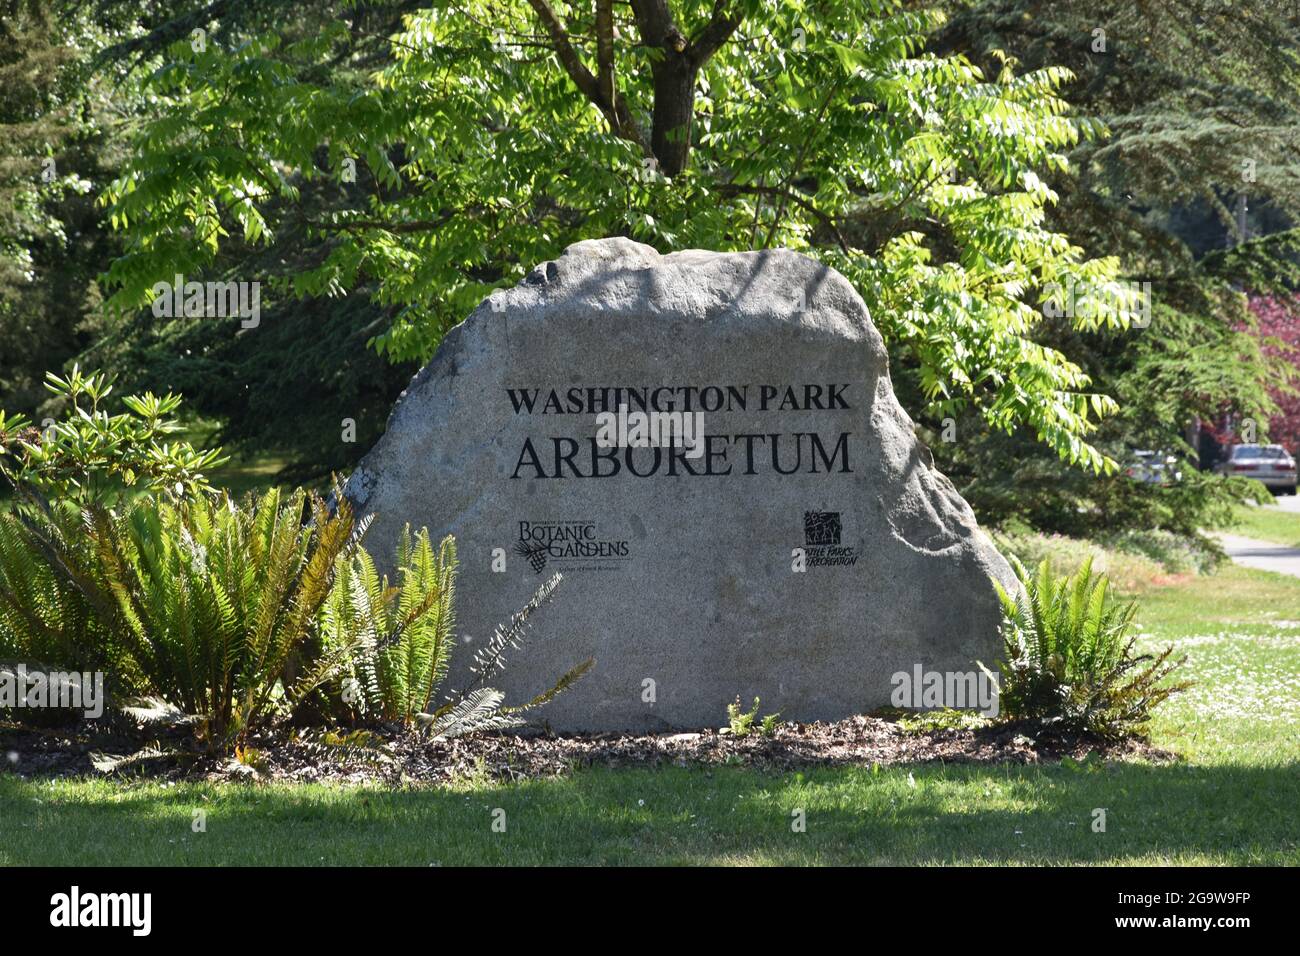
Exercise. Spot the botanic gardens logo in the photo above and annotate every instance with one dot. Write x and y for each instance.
(578, 544)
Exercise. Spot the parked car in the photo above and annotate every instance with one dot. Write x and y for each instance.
(1153, 468)
(1270, 464)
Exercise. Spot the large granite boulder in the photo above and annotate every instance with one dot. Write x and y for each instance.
(800, 547)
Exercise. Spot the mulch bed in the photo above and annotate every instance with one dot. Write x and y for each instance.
(398, 757)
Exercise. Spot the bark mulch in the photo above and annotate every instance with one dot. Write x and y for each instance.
(394, 756)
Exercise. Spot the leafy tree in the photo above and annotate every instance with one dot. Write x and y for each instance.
(1279, 323)
(1199, 97)
(494, 134)
(1193, 192)
(303, 385)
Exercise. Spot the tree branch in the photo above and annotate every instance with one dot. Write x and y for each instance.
(615, 110)
(718, 31)
(605, 50)
(798, 163)
(655, 22)
(413, 225)
(787, 195)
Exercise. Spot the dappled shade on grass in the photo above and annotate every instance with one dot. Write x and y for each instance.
(925, 814)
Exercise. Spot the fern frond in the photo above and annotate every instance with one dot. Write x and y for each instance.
(567, 680)
(490, 660)
(478, 710)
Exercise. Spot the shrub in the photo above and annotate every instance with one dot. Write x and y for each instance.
(233, 615)
(1070, 660)
(213, 605)
(1132, 562)
(92, 456)
(1176, 553)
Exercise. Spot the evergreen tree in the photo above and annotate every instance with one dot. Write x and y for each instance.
(55, 121)
(1199, 100)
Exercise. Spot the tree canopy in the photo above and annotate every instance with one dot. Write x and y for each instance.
(487, 136)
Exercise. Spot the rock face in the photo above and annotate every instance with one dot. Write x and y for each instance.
(799, 546)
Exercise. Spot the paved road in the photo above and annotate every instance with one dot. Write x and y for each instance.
(1261, 554)
(1289, 503)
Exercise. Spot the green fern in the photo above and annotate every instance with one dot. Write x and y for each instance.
(212, 603)
(47, 621)
(1070, 657)
(233, 616)
(400, 637)
(740, 721)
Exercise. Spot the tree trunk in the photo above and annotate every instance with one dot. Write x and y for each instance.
(674, 78)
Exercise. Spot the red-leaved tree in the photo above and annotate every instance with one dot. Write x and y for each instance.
(1279, 319)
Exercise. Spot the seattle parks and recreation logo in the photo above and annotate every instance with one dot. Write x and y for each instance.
(822, 531)
(821, 528)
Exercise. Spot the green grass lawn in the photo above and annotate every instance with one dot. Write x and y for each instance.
(1231, 801)
(1267, 524)
(242, 475)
